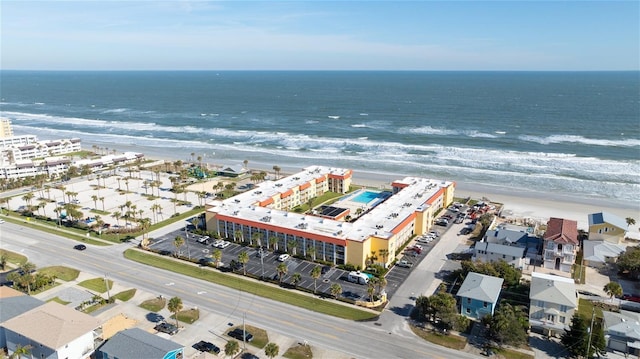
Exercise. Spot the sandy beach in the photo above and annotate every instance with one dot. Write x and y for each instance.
(517, 203)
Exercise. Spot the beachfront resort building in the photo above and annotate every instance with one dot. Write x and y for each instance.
(604, 226)
(553, 301)
(362, 227)
(560, 244)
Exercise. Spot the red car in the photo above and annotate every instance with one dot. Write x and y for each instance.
(631, 298)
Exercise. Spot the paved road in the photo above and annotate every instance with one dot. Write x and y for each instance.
(390, 339)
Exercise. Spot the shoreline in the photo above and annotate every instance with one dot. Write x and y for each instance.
(518, 203)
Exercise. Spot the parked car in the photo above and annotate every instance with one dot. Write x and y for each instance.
(283, 257)
(424, 239)
(204, 240)
(166, 328)
(206, 347)
(325, 269)
(241, 335)
(206, 261)
(224, 244)
(435, 233)
(80, 247)
(217, 243)
(404, 264)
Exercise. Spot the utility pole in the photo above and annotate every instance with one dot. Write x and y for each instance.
(593, 314)
(106, 283)
(244, 332)
(261, 253)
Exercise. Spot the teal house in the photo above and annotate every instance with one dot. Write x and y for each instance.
(478, 295)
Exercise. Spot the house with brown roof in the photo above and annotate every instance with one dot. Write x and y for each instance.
(53, 331)
(560, 244)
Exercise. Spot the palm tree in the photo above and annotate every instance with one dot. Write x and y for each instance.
(271, 350)
(257, 236)
(145, 224)
(291, 246)
(175, 306)
(382, 283)
(371, 289)
(27, 268)
(178, 242)
(296, 278)
(3, 261)
(102, 200)
(335, 290)
(117, 215)
(282, 270)
(217, 256)
(384, 253)
(630, 221)
(245, 163)
(231, 348)
(243, 258)
(195, 221)
(237, 234)
(273, 243)
(276, 169)
(312, 252)
(27, 198)
(95, 201)
(21, 351)
(613, 289)
(315, 274)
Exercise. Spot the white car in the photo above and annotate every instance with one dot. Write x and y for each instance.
(424, 239)
(283, 257)
(418, 246)
(217, 243)
(224, 244)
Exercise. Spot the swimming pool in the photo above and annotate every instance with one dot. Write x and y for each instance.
(368, 196)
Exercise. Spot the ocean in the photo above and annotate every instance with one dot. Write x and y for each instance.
(570, 133)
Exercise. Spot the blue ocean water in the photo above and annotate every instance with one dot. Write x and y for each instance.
(567, 132)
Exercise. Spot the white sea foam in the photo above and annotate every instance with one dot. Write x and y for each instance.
(116, 110)
(359, 125)
(628, 142)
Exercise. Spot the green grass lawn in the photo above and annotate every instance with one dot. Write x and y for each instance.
(238, 282)
(260, 337)
(125, 295)
(585, 309)
(13, 258)
(63, 273)
(299, 352)
(96, 285)
(58, 300)
(449, 341)
(512, 354)
(154, 305)
(188, 316)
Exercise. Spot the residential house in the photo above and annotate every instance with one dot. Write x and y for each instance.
(560, 244)
(12, 304)
(553, 301)
(505, 236)
(53, 331)
(598, 253)
(135, 343)
(605, 226)
(511, 235)
(622, 331)
(492, 252)
(479, 295)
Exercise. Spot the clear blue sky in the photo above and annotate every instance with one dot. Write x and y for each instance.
(320, 35)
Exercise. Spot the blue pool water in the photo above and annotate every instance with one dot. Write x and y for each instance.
(366, 197)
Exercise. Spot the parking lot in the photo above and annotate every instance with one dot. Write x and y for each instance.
(266, 267)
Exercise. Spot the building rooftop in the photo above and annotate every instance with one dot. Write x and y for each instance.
(56, 326)
(599, 251)
(553, 289)
(560, 230)
(606, 217)
(379, 221)
(505, 235)
(136, 343)
(513, 251)
(481, 287)
(13, 305)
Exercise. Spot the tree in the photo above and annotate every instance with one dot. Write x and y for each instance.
(245, 164)
(27, 278)
(257, 236)
(271, 350)
(237, 234)
(296, 278)
(3, 261)
(630, 261)
(575, 340)
(243, 258)
(371, 289)
(291, 246)
(273, 243)
(335, 290)
(508, 325)
(384, 253)
(276, 169)
(217, 256)
(315, 274)
(613, 289)
(630, 221)
(175, 306)
(282, 271)
(21, 351)
(231, 348)
(178, 242)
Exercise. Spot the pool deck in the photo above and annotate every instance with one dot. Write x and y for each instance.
(353, 206)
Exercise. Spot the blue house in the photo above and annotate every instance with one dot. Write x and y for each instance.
(479, 295)
(135, 343)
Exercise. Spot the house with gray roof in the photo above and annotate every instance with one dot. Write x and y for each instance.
(505, 236)
(479, 295)
(553, 301)
(604, 226)
(598, 253)
(622, 331)
(492, 252)
(12, 304)
(135, 343)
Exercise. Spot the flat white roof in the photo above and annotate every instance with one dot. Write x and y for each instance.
(379, 222)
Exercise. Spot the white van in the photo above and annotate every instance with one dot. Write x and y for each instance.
(357, 277)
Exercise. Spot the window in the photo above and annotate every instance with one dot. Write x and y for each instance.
(504, 256)
(468, 300)
(563, 308)
(485, 304)
(562, 320)
(541, 303)
(468, 310)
